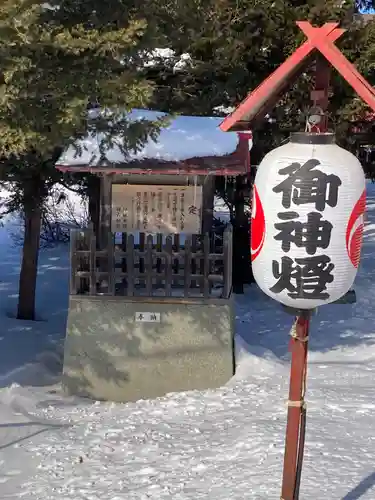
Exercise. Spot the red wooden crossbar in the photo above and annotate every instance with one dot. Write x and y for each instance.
(321, 40)
(319, 44)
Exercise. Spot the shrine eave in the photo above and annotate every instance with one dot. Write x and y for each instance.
(230, 165)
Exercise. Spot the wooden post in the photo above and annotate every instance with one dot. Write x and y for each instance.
(168, 266)
(208, 203)
(228, 261)
(93, 188)
(92, 258)
(130, 266)
(295, 431)
(111, 264)
(187, 266)
(159, 262)
(176, 248)
(206, 266)
(105, 209)
(124, 263)
(105, 240)
(194, 266)
(245, 137)
(74, 288)
(149, 264)
(241, 239)
(294, 442)
(320, 93)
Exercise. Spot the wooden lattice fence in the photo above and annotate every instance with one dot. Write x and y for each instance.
(198, 266)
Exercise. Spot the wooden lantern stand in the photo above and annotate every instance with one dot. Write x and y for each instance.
(318, 47)
(296, 419)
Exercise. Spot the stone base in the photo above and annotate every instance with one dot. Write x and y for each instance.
(122, 349)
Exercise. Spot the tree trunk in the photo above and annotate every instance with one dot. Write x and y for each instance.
(29, 268)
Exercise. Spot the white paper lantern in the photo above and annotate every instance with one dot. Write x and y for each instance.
(307, 221)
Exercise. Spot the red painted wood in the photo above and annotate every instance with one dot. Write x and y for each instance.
(296, 389)
(280, 79)
(320, 94)
(342, 65)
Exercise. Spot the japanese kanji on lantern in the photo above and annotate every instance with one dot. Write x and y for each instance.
(307, 221)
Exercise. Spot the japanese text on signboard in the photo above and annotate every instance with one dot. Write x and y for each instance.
(308, 277)
(156, 209)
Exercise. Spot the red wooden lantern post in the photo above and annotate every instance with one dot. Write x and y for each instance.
(296, 419)
(297, 200)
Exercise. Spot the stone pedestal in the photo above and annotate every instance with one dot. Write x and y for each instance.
(125, 349)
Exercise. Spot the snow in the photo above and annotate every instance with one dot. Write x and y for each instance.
(30, 354)
(185, 137)
(218, 444)
(225, 110)
(167, 57)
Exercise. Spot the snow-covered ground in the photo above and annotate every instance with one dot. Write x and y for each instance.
(224, 444)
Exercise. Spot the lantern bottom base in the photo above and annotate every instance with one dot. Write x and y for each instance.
(349, 298)
(304, 313)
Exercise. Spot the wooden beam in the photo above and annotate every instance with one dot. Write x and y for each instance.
(346, 69)
(320, 94)
(105, 209)
(231, 170)
(208, 203)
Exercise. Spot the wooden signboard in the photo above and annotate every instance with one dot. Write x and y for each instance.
(156, 209)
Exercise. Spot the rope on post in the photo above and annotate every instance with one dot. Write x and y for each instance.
(293, 333)
(297, 404)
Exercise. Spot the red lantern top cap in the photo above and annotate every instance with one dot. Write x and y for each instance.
(319, 40)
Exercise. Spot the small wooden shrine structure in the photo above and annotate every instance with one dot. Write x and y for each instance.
(145, 205)
(319, 48)
(151, 259)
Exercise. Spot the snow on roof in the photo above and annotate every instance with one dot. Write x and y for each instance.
(184, 138)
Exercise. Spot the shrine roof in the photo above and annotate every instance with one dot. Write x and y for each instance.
(187, 143)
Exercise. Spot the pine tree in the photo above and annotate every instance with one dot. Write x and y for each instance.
(235, 44)
(57, 59)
